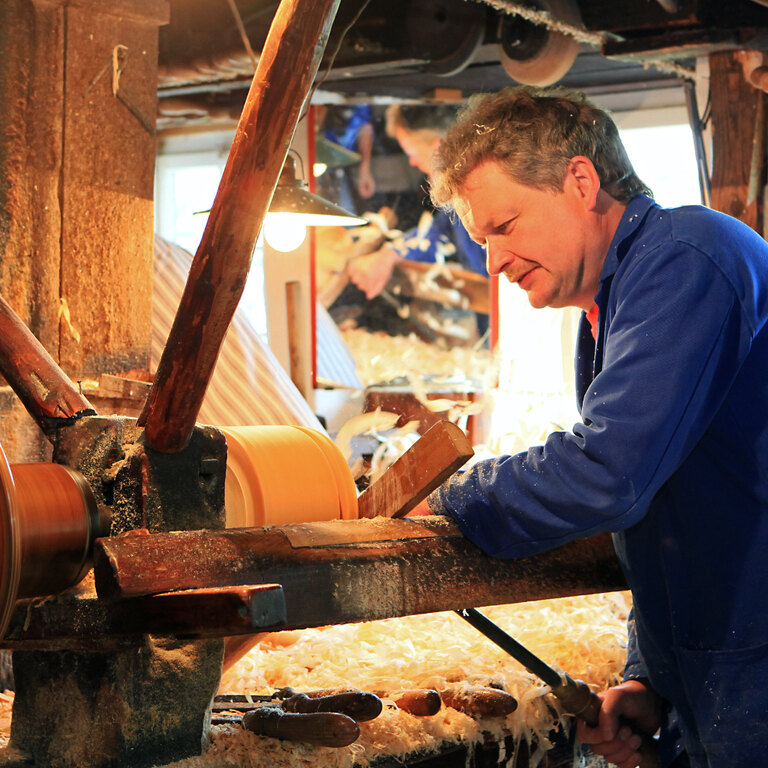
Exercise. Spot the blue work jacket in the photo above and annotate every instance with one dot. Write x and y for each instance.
(445, 232)
(671, 455)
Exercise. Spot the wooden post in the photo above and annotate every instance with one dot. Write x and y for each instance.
(287, 66)
(76, 186)
(738, 141)
(296, 354)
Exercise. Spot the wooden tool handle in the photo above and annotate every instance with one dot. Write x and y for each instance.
(580, 700)
(479, 702)
(358, 705)
(325, 729)
(422, 702)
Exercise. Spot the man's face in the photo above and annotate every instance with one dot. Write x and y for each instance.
(418, 147)
(538, 239)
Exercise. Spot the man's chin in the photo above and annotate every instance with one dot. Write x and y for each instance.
(537, 302)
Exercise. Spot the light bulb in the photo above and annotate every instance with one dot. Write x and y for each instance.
(318, 169)
(283, 233)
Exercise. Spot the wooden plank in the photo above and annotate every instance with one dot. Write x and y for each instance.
(417, 565)
(422, 468)
(286, 69)
(121, 387)
(77, 623)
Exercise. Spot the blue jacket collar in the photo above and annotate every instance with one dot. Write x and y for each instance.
(631, 221)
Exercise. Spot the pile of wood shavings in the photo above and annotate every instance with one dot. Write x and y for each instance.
(585, 636)
(381, 358)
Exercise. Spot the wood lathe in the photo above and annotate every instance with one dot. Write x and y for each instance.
(123, 667)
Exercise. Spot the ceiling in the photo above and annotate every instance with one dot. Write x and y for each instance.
(432, 50)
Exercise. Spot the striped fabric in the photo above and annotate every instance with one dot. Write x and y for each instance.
(335, 364)
(248, 386)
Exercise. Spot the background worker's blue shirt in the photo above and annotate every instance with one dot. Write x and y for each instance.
(441, 233)
(672, 456)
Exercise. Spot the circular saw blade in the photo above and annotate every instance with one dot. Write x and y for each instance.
(534, 55)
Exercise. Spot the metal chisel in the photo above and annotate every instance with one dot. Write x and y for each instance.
(576, 696)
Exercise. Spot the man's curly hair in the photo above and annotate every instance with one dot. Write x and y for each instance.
(533, 134)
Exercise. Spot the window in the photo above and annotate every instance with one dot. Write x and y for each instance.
(663, 157)
(186, 185)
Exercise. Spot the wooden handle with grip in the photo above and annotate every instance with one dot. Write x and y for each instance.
(358, 705)
(580, 700)
(422, 702)
(479, 702)
(324, 729)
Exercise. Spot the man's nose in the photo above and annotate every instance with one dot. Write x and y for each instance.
(494, 260)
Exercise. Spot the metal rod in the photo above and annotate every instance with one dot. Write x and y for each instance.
(576, 697)
(698, 143)
(508, 643)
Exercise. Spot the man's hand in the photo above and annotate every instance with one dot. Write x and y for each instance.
(366, 184)
(372, 272)
(421, 509)
(630, 705)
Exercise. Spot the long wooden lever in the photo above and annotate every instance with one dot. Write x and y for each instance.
(287, 66)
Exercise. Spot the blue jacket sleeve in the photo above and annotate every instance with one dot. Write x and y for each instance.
(662, 379)
(441, 236)
(426, 241)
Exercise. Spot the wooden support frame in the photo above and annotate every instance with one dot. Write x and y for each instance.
(85, 623)
(354, 570)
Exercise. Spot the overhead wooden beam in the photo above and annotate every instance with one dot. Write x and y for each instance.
(287, 66)
(352, 570)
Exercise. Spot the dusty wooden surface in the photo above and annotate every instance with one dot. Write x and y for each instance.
(286, 69)
(421, 469)
(108, 185)
(30, 162)
(738, 142)
(76, 187)
(352, 570)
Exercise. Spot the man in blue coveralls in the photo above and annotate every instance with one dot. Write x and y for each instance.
(671, 453)
(418, 130)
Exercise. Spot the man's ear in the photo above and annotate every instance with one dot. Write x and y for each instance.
(582, 179)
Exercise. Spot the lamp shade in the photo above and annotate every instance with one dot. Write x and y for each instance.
(292, 196)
